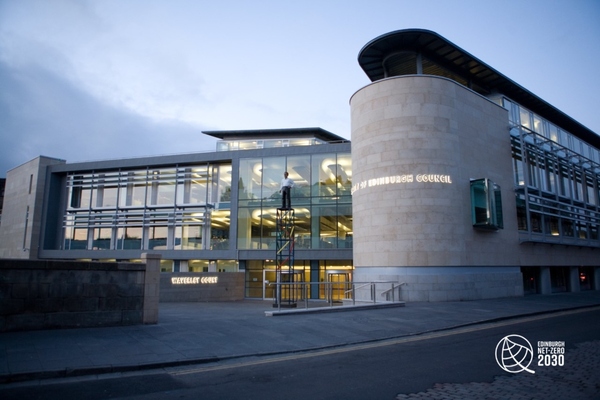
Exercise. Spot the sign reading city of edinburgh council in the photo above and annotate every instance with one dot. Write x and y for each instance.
(401, 179)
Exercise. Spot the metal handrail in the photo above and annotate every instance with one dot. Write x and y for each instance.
(305, 287)
(385, 292)
(360, 287)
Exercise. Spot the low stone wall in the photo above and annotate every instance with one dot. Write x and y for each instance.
(205, 286)
(38, 294)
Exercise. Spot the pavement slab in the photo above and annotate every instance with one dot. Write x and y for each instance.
(189, 333)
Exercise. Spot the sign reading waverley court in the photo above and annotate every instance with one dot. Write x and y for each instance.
(194, 280)
(194, 286)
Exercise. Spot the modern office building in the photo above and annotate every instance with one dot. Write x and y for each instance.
(458, 183)
(203, 212)
(466, 185)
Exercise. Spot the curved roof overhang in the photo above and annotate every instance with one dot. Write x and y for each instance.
(445, 53)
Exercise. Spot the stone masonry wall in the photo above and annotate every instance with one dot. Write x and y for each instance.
(37, 294)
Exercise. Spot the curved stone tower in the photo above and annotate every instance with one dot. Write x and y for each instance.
(417, 142)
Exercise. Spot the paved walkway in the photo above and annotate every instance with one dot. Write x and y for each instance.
(576, 380)
(190, 333)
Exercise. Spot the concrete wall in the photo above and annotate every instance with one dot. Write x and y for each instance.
(66, 294)
(558, 255)
(194, 287)
(417, 141)
(23, 207)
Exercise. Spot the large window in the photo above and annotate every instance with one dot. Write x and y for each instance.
(173, 208)
(486, 204)
(320, 197)
(556, 181)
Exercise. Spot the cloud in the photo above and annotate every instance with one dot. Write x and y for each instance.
(46, 114)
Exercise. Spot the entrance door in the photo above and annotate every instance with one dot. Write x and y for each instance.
(340, 283)
(289, 292)
(269, 276)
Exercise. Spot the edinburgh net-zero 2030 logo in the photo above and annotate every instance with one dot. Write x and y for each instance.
(515, 354)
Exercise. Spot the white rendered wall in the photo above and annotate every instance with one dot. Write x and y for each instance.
(409, 126)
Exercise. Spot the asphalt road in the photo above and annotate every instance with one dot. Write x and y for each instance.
(463, 358)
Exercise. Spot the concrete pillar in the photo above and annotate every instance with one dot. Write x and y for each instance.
(151, 288)
(545, 281)
(574, 285)
(314, 277)
(184, 266)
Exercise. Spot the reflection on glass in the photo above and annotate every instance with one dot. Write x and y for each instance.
(322, 191)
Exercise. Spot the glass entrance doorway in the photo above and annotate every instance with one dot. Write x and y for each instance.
(288, 292)
(339, 284)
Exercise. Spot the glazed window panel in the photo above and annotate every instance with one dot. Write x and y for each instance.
(162, 188)
(324, 224)
(224, 183)
(582, 230)
(551, 226)
(299, 170)
(594, 232)
(157, 237)
(108, 189)
(564, 187)
(345, 228)
(513, 111)
(80, 191)
(268, 231)
(272, 174)
(249, 185)
(323, 179)
(102, 239)
(129, 238)
(517, 162)
(535, 222)
(227, 266)
(249, 232)
(76, 238)
(303, 227)
(553, 131)
(567, 227)
(578, 193)
(343, 173)
(486, 204)
(192, 185)
(132, 192)
(550, 177)
(189, 237)
(220, 223)
(525, 117)
(532, 169)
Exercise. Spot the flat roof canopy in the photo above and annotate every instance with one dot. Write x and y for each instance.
(445, 53)
(277, 134)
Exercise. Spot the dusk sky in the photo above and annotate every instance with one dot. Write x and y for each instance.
(92, 80)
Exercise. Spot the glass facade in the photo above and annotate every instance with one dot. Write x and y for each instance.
(557, 181)
(320, 197)
(189, 208)
(250, 144)
(177, 208)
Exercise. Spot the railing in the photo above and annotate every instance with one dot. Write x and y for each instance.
(387, 293)
(300, 291)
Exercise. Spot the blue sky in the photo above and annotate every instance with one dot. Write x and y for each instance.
(89, 80)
